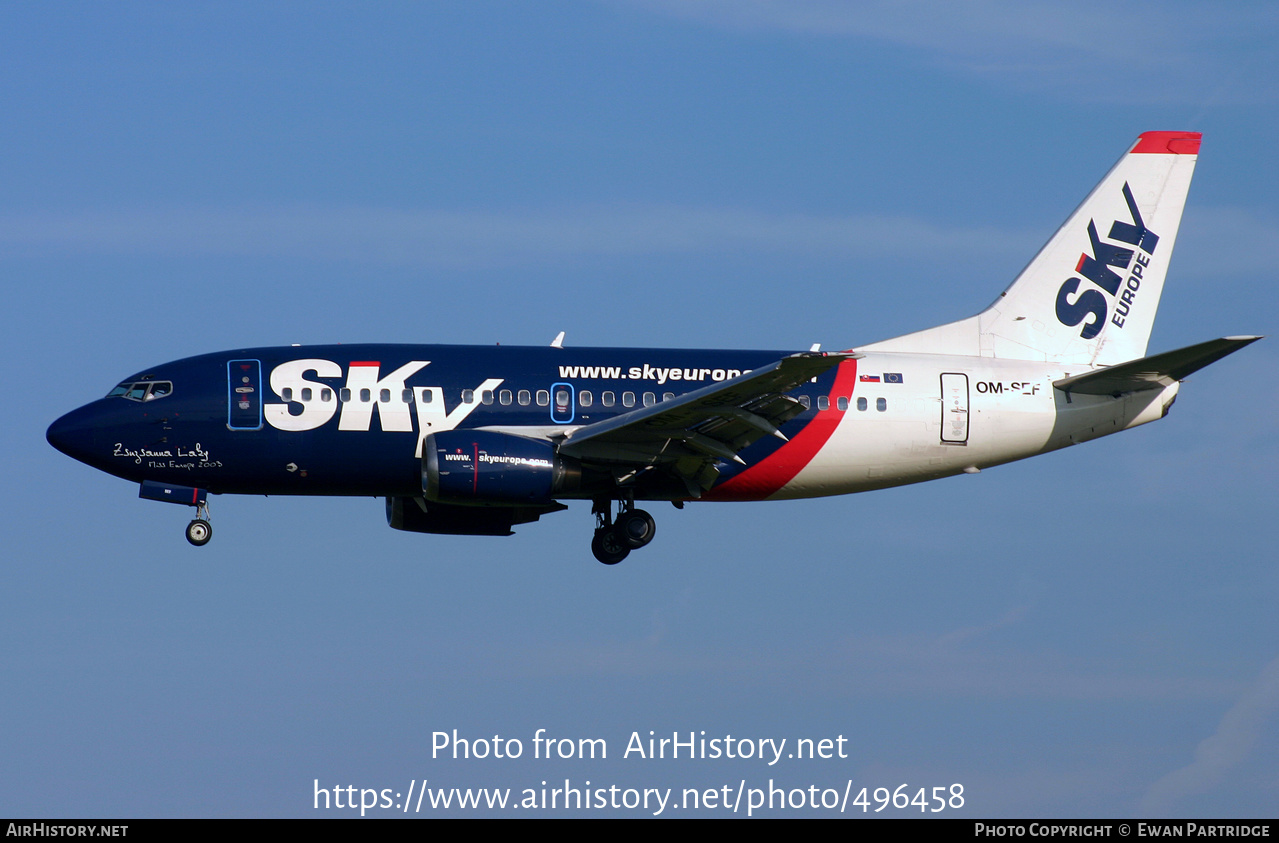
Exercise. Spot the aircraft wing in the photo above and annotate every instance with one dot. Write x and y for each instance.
(686, 435)
(1158, 370)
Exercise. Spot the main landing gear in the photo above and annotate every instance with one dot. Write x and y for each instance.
(615, 539)
(200, 530)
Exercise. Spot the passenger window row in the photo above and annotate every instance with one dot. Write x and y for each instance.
(841, 403)
(585, 398)
(505, 397)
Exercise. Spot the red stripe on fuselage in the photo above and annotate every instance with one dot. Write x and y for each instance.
(770, 474)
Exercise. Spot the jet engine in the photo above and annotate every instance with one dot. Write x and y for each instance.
(484, 467)
(417, 515)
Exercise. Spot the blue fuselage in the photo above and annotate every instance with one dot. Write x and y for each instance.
(349, 419)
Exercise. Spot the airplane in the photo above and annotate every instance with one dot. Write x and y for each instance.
(474, 440)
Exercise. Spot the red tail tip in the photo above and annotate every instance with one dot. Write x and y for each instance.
(1169, 143)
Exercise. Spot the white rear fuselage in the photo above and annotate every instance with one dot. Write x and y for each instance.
(945, 415)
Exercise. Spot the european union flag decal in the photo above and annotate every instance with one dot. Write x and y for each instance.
(892, 377)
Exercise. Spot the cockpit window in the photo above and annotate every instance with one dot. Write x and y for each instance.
(142, 390)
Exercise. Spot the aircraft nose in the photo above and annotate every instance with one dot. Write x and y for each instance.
(73, 434)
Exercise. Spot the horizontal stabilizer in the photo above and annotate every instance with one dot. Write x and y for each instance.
(1153, 372)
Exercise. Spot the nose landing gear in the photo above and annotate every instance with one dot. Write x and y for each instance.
(200, 530)
(614, 540)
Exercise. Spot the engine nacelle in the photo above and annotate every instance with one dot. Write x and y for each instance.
(478, 467)
(418, 516)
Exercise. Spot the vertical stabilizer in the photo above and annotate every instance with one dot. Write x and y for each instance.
(1090, 295)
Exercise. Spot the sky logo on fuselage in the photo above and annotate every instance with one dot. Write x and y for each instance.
(1099, 268)
(366, 390)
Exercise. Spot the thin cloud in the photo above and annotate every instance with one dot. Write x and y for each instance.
(958, 664)
(480, 238)
(1091, 51)
(1252, 238)
(453, 238)
(1236, 736)
(962, 28)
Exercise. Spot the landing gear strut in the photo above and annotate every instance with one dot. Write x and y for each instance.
(614, 540)
(200, 530)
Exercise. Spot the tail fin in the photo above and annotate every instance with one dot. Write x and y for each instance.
(1090, 295)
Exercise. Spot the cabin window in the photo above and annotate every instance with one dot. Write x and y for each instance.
(649, 399)
(806, 401)
(344, 395)
(468, 396)
(584, 398)
(384, 396)
(881, 404)
(524, 397)
(543, 397)
(823, 402)
(861, 404)
(667, 396)
(607, 399)
(842, 402)
(561, 398)
(504, 397)
(306, 393)
(366, 395)
(628, 399)
(326, 395)
(287, 393)
(487, 396)
(406, 396)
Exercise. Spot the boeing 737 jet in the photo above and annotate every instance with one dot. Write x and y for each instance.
(474, 440)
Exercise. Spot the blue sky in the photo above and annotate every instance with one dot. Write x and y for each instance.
(1088, 633)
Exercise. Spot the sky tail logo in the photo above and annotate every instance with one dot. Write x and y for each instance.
(1099, 268)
